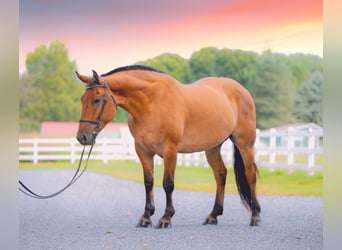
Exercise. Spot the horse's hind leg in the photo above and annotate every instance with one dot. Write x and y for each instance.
(245, 171)
(214, 159)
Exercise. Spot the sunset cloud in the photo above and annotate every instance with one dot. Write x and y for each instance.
(120, 32)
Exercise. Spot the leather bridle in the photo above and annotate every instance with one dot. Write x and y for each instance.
(104, 102)
(24, 189)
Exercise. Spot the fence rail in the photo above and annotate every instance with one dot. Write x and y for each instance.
(273, 149)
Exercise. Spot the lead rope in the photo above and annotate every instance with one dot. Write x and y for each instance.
(76, 176)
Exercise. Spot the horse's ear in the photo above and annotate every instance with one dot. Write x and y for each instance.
(83, 78)
(96, 77)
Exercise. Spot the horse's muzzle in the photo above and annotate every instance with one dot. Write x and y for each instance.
(87, 139)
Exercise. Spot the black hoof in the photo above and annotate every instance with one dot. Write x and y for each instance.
(163, 224)
(210, 221)
(144, 223)
(255, 221)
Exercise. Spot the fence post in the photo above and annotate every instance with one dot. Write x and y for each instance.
(187, 158)
(311, 153)
(35, 150)
(196, 159)
(104, 150)
(256, 147)
(72, 150)
(290, 149)
(157, 161)
(272, 149)
(227, 153)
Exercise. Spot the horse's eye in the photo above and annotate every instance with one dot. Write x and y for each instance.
(96, 100)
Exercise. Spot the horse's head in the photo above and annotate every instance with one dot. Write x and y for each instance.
(98, 108)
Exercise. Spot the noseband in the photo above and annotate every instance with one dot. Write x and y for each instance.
(104, 102)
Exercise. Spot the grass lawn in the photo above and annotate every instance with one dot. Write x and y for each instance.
(278, 182)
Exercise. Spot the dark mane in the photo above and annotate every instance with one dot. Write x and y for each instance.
(132, 67)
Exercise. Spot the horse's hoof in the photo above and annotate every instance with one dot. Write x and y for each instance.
(163, 224)
(210, 221)
(144, 223)
(255, 221)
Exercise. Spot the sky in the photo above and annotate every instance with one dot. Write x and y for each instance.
(104, 35)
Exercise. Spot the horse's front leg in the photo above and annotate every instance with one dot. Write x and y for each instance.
(146, 160)
(170, 160)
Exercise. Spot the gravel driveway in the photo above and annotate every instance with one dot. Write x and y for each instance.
(100, 212)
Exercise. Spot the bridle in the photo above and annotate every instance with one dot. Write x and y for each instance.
(24, 189)
(104, 102)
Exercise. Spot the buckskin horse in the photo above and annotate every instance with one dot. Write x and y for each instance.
(167, 117)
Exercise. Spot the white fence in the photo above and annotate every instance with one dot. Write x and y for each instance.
(273, 149)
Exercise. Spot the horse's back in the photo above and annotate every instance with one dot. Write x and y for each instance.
(227, 86)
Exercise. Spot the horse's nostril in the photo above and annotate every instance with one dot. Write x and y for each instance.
(83, 138)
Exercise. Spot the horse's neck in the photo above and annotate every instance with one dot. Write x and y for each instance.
(132, 90)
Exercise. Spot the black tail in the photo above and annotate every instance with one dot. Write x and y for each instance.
(241, 180)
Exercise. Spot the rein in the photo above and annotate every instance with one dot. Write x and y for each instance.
(76, 176)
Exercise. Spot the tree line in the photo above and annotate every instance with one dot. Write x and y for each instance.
(285, 88)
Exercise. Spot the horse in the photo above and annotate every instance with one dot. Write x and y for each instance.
(166, 117)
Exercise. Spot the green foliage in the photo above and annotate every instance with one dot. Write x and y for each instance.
(272, 92)
(280, 84)
(203, 62)
(309, 100)
(49, 90)
(173, 65)
(26, 97)
(302, 66)
(236, 64)
(121, 115)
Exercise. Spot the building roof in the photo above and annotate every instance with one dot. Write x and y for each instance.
(297, 126)
(69, 129)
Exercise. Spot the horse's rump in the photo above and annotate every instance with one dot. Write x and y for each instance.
(214, 107)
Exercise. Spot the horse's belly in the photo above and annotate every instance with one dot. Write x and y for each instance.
(202, 141)
(208, 127)
(210, 118)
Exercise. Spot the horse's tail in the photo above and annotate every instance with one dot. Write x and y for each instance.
(241, 180)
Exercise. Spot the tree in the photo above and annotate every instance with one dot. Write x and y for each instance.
(173, 65)
(26, 97)
(302, 66)
(203, 62)
(236, 64)
(121, 115)
(49, 89)
(272, 92)
(309, 100)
